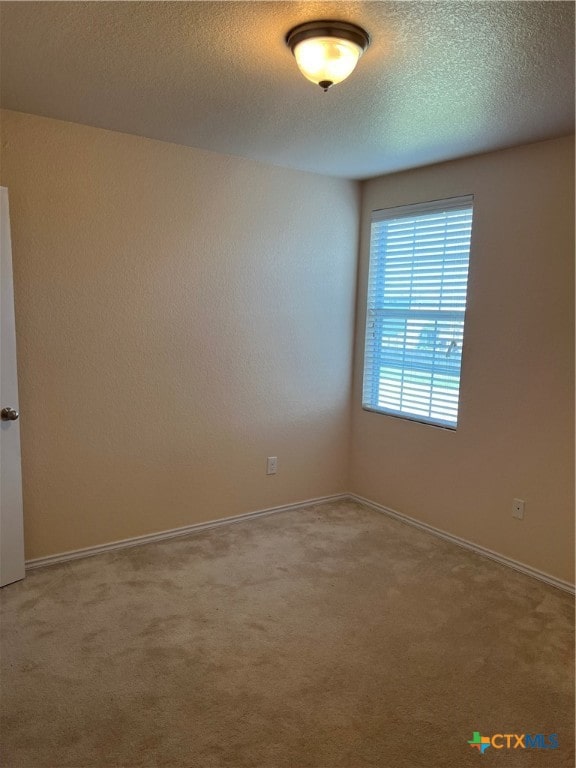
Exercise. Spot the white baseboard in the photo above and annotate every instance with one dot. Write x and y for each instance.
(479, 550)
(136, 541)
(76, 554)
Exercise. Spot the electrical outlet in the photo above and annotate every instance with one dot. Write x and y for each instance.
(271, 465)
(518, 509)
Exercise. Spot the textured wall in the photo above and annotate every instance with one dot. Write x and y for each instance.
(181, 315)
(515, 433)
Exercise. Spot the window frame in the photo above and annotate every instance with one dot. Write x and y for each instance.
(461, 202)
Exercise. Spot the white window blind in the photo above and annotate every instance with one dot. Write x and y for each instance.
(415, 315)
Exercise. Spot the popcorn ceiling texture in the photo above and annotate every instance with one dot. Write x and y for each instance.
(440, 80)
(181, 315)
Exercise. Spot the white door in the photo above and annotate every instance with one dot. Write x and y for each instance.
(11, 521)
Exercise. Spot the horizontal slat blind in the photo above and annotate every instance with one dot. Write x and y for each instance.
(415, 315)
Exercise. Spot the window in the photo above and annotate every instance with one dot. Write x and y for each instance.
(415, 314)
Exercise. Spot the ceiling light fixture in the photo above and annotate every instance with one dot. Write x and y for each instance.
(327, 51)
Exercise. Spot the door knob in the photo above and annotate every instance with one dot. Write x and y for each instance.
(9, 414)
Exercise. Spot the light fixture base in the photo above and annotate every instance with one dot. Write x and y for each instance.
(342, 29)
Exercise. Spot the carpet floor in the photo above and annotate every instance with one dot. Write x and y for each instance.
(327, 637)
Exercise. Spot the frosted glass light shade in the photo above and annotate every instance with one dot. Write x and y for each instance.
(327, 51)
(327, 59)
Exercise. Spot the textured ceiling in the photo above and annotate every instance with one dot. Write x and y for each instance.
(440, 80)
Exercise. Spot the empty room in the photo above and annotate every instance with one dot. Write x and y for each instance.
(287, 384)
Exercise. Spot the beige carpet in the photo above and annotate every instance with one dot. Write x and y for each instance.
(322, 638)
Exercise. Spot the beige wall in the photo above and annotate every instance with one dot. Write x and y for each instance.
(515, 432)
(181, 315)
